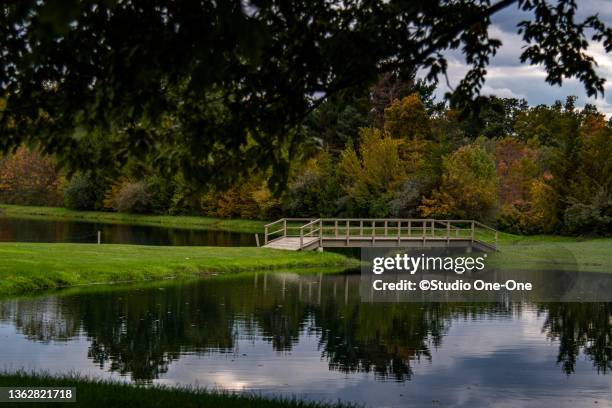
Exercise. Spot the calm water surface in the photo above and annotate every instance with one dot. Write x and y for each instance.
(310, 336)
(33, 230)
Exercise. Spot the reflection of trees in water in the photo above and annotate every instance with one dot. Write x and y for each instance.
(140, 332)
(581, 326)
(386, 338)
(43, 320)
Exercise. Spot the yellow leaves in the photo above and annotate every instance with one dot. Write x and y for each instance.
(378, 165)
(468, 188)
(29, 177)
(407, 118)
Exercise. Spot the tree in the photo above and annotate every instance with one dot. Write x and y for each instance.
(391, 87)
(407, 119)
(494, 118)
(314, 191)
(336, 122)
(371, 176)
(468, 189)
(29, 178)
(215, 87)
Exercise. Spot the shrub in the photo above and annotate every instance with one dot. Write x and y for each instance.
(594, 217)
(82, 193)
(133, 197)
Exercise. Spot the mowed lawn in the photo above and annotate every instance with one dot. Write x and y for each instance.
(27, 267)
(555, 253)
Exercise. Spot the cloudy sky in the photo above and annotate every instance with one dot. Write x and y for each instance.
(507, 77)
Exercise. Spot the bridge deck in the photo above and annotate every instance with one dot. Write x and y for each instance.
(308, 234)
(291, 243)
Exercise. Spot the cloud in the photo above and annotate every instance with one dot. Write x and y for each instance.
(508, 77)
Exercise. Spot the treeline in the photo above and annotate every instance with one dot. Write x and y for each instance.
(391, 151)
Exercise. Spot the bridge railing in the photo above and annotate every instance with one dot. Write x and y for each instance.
(285, 227)
(379, 228)
(311, 230)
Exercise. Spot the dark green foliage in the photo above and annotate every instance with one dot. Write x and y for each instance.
(161, 190)
(82, 193)
(494, 118)
(337, 121)
(214, 88)
(593, 217)
(315, 191)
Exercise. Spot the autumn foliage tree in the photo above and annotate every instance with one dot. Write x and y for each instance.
(371, 173)
(29, 178)
(468, 189)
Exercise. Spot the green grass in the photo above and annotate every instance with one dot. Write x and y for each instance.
(554, 253)
(171, 221)
(98, 393)
(29, 267)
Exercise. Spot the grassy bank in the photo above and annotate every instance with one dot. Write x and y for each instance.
(92, 393)
(169, 221)
(555, 253)
(28, 267)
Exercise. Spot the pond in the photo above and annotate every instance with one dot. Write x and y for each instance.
(311, 336)
(35, 230)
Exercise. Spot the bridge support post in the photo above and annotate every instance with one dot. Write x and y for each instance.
(472, 237)
(301, 237)
(348, 232)
(373, 231)
(424, 231)
(321, 234)
(399, 231)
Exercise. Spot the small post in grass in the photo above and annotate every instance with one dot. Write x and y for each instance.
(257, 240)
(99, 237)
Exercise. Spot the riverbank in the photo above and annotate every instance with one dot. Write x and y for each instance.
(555, 253)
(30, 267)
(96, 393)
(168, 221)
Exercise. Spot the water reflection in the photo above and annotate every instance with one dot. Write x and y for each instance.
(198, 331)
(33, 230)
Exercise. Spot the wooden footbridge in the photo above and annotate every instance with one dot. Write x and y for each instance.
(298, 234)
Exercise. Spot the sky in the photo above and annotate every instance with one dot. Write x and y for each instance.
(508, 77)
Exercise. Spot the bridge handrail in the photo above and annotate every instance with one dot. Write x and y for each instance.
(312, 230)
(426, 228)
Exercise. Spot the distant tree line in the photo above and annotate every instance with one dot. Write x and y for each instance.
(389, 151)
